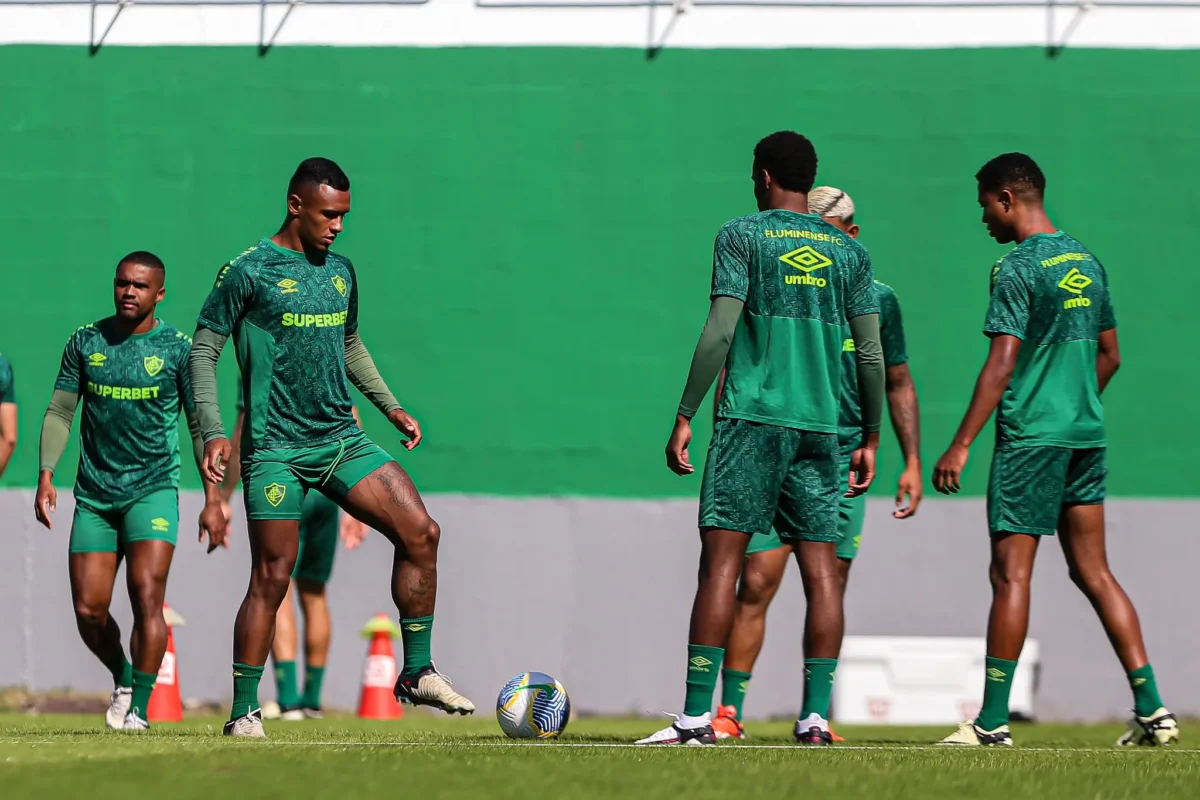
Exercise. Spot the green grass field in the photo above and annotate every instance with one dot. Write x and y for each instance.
(429, 757)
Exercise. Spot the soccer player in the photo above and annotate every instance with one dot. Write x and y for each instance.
(767, 556)
(314, 565)
(1053, 349)
(8, 414)
(785, 282)
(131, 371)
(292, 306)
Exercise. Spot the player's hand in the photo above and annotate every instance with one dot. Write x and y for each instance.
(862, 471)
(678, 460)
(227, 511)
(407, 426)
(45, 501)
(214, 523)
(947, 473)
(909, 487)
(216, 456)
(352, 531)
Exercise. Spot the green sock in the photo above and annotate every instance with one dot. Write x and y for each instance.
(1145, 691)
(734, 684)
(997, 684)
(415, 636)
(286, 693)
(703, 665)
(818, 686)
(313, 678)
(123, 676)
(143, 685)
(245, 689)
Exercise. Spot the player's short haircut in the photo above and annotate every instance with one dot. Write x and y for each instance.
(319, 172)
(1016, 172)
(144, 258)
(827, 201)
(790, 159)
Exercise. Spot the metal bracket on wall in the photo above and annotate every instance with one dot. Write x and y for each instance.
(655, 43)
(95, 43)
(265, 43)
(1055, 44)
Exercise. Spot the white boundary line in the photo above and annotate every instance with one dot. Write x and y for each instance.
(733, 748)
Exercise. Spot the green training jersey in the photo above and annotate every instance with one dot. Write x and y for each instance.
(1052, 294)
(132, 388)
(801, 279)
(289, 319)
(891, 332)
(8, 389)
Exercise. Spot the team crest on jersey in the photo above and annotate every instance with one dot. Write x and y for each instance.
(339, 283)
(97, 359)
(275, 493)
(153, 365)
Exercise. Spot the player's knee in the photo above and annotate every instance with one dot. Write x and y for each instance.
(147, 602)
(1006, 575)
(272, 576)
(90, 615)
(757, 589)
(1092, 582)
(423, 541)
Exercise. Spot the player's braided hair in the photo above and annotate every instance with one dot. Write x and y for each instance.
(789, 158)
(1016, 172)
(319, 172)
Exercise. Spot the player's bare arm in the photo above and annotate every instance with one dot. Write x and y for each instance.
(906, 422)
(709, 356)
(56, 430)
(989, 389)
(1108, 357)
(8, 414)
(868, 352)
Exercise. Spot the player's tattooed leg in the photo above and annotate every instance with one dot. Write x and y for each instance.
(388, 501)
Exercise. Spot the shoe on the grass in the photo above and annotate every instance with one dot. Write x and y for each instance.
(833, 735)
(271, 710)
(249, 726)
(313, 712)
(429, 687)
(697, 732)
(118, 707)
(971, 735)
(812, 730)
(292, 714)
(134, 723)
(726, 725)
(1160, 729)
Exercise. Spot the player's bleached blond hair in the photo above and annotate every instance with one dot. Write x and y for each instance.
(827, 201)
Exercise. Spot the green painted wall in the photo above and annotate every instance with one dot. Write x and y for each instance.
(532, 228)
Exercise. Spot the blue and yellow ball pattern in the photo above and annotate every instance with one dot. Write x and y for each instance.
(533, 705)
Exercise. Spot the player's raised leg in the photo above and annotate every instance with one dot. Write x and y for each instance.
(387, 501)
(766, 561)
(92, 577)
(1081, 528)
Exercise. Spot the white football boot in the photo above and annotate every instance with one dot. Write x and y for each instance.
(431, 688)
(1157, 730)
(971, 735)
(118, 707)
(684, 730)
(249, 726)
(135, 723)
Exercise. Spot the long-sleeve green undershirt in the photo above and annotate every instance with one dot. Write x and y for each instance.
(711, 351)
(868, 351)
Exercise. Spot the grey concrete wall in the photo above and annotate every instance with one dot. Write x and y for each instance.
(598, 592)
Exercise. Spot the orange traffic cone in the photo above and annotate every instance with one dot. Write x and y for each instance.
(379, 675)
(165, 704)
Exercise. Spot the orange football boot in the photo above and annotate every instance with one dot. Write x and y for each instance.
(726, 724)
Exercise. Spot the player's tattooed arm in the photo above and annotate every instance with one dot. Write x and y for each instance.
(989, 389)
(906, 422)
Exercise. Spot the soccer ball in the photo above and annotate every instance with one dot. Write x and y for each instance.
(533, 706)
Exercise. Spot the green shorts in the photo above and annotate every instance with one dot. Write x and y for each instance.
(106, 527)
(318, 539)
(1029, 486)
(758, 476)
(852, 511)
(275, 482)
